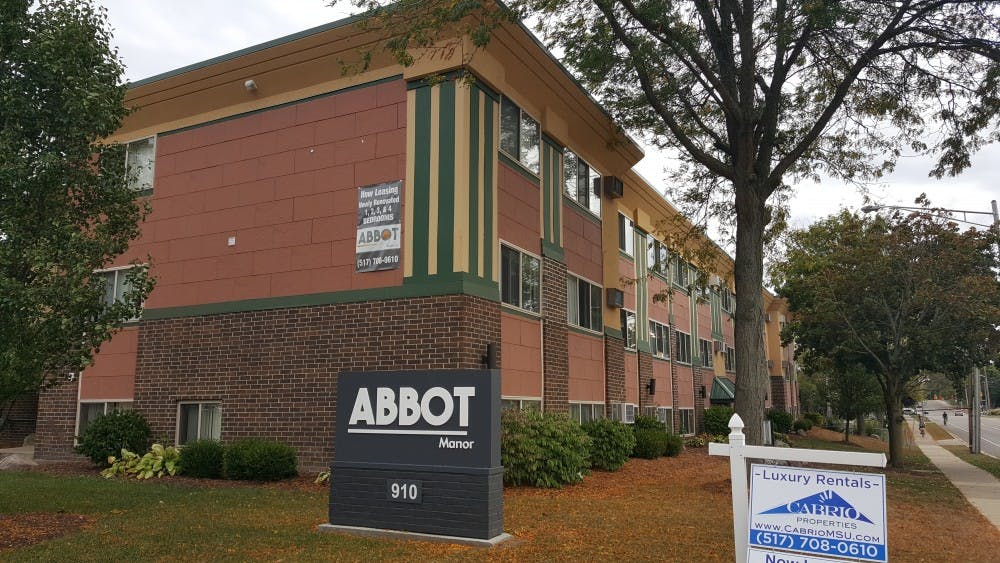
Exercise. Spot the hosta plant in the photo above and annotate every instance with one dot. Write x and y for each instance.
(159, 461)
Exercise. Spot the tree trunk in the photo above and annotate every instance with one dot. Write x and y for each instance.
(859, 425)
(847, 430)
(751, 368)
(894, 415)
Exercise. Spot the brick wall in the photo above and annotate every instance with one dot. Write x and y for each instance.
(20, 420)
(779, 396)
(275, 372)
(555, 348)
(614, 382)
(645, 374)
(674, 387)
(57, 423)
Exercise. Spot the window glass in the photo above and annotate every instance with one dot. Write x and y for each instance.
(572, 300)
(659, 336)
(687, 419)
(683, 347)
(570, 175)
(596, 309)
(530, 275)
(139, 158)
(510, 117)
(626, 241)
(510, 266)
(628, 328)
(88, 412)
(109, 287)
(529, 143)
(187, 431)
(707, 358)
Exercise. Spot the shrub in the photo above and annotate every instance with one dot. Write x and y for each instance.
(611, 443)
(814, 417)
(649, 444)
(717, 420)
(159, 461)
(781, 421)
(107, 435)
(803, 424)
(203, 458)
(258, 460)
(542, 450)
(643, 422)
(674, 445)
(694, 442)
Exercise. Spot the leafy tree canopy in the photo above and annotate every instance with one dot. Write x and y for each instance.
(892, 295)
(756, 96)
(66, 208)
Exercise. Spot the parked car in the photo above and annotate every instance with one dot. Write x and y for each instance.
(908, 410)
(959, 413)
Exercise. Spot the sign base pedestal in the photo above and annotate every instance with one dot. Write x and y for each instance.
(412, 536)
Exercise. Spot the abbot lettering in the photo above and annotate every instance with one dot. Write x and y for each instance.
(407, 407)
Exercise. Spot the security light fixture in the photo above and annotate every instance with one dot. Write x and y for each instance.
(250, 85)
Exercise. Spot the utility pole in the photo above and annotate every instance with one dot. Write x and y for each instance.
(975, 437)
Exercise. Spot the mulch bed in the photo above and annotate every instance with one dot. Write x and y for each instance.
(19, 530)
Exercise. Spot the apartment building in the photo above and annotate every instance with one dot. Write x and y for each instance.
(306, 222)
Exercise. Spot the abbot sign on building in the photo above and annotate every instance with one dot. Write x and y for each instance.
(418, 451)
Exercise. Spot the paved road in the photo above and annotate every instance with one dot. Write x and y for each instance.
(959, 425)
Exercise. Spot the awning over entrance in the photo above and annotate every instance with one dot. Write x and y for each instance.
(723, 391)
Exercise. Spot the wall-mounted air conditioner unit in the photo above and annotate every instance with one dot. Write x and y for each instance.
(616, 298)
(612, 187)
(719, 346)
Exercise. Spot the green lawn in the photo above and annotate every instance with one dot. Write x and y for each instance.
(985, 462)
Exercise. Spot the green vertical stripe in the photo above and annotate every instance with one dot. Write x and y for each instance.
(474, 181)
(446, 179)
(556, 192)
(546, 203)
(421, 180)
(489, 161)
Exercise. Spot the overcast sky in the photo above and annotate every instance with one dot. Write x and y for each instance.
(154, 36)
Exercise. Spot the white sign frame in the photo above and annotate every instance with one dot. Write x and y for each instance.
(818, 511)
(738, 452)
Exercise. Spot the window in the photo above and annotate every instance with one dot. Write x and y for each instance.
(139, 159)
(658, 257)
(687, 421)
(116, 285)
(628, 329)
(659, 338)
(730, 359)
(707, 358)
(683, 347)
(665, 415)
(626, 242)
(581, 183)
(519, 279)
(521, 404)
(91, 410)
(681, 273)
(583, 304)
(727, 299)
(519, 136)
(198, 421)
(585, 412)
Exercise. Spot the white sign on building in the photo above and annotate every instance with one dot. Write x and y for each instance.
(823, 512)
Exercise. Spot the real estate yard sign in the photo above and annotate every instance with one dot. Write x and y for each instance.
(378, 227)
(814, 511)
(419, 451)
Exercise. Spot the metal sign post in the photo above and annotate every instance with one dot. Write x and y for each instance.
(738, 452)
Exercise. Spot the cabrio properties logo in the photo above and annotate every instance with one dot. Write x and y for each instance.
(438, 411)
(826, 503)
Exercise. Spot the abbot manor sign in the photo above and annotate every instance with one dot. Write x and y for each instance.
(418, 451)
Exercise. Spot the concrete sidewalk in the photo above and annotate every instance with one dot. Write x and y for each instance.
(981, 488)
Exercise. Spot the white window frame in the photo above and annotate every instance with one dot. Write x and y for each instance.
(626, 238)
(679, 357)
(180, 406)
(105, 402)
(654, 349)
(594, 406)
(576, 322)
(588, 202)
(521, 402)
(520, 279)
(691, 420)
(706, 352)
(666, 416)
(625, 340)
(522, 115)
(152, 139)
(658, 258)
(118, 270)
